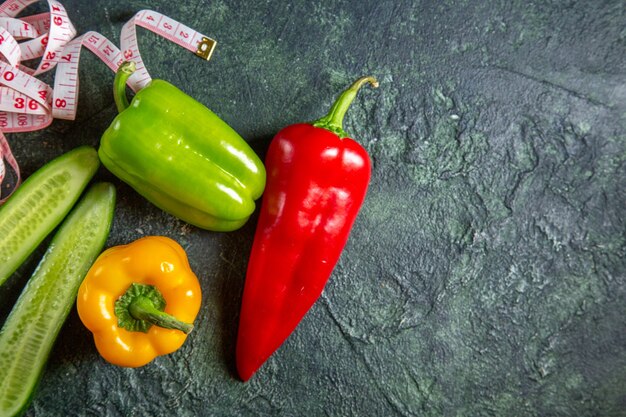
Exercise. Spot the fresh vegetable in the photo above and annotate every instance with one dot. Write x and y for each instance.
(34, 323)
(40, 204)
(139, 300)
(182, 157)
(317, 180)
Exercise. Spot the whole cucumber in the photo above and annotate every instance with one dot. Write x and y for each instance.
(41, 203)
(36, 319)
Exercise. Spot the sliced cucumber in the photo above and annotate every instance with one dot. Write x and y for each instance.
(39, 205)
(34, 323)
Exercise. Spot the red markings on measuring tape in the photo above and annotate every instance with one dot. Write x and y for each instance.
(66, 80)
(163, 26)
(65, 92)
(27, 103)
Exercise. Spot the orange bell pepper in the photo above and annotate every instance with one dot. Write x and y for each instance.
(139, 300)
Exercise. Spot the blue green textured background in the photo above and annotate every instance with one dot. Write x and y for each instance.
(486, 272)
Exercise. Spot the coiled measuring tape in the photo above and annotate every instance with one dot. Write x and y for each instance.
(27, 103)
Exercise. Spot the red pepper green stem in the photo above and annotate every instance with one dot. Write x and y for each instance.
(141, 307)
(333, 121)
(125, 70)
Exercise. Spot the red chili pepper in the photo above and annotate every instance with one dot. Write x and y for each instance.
(317, 178)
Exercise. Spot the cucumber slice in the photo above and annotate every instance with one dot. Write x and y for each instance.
(36, 319)
(39, 205)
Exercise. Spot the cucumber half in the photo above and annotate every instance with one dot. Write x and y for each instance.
(39, 205)
(29, 332)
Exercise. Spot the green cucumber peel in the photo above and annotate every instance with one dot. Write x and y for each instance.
(33, 325)
(41, 203)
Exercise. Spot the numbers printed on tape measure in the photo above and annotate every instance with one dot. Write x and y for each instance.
(67, 69)
(27, 103)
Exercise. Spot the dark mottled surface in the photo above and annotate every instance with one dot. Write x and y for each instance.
(486, 273)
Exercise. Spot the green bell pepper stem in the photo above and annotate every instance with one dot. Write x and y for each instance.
(333, 121)
(125, 70)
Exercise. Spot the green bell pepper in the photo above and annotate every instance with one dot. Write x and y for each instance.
(181, 156)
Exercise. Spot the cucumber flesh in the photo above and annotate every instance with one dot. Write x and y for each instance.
(41, 203)
(29, 332)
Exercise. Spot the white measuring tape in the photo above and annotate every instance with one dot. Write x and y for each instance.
(27, 103)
